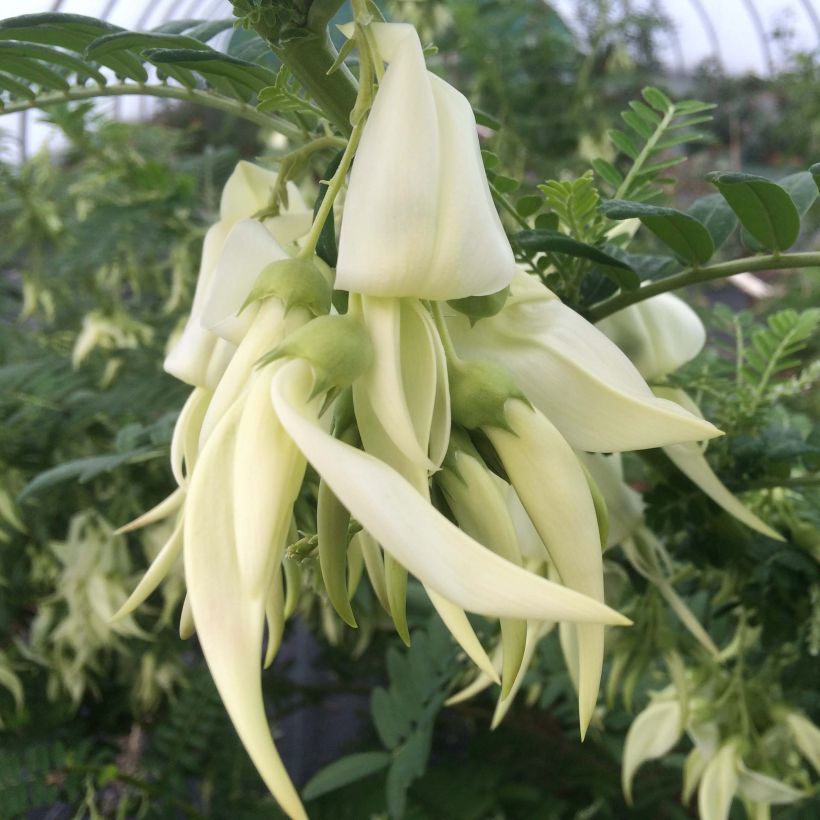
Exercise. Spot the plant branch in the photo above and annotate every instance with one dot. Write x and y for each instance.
(694, 276)
(196, 96)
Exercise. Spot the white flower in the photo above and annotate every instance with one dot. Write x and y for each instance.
(198, 357)
(574, 375)
(419, 219)
(659, 335)
(653, 733)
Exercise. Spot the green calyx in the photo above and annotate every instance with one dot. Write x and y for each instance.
(338, 349)
(481, 307)
(297, 282)
(479, 392)
(460, 442)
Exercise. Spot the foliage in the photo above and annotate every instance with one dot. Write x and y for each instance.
(98, 267)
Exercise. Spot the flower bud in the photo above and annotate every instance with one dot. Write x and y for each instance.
(337, 347)
(659, 335)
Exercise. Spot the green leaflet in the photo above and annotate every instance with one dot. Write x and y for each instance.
(681, 232)
(764, 208)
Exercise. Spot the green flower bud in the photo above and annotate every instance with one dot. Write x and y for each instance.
(337, 347)
(297, 282)
(479, 391)
(481, 307)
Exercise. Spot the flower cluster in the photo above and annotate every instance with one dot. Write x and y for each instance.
(455, 447)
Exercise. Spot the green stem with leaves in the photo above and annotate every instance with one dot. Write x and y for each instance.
(695, 276)
(196, 96)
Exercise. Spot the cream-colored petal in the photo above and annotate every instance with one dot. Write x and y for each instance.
(229, 621)
(431, 547)
(718, 784)
(267, 473)
(166, 507)
(383, 384)
(248, 249)
(247, 190)
(623, 503)
(156, 572)
(659, 335)
(269, 327)
(480, 508)
(653, 733)
(762, 788)
(391, 215)
(554, 491)
(806, 737)
(574, 375)
(185, 440)
(472, 255)
(189, 359)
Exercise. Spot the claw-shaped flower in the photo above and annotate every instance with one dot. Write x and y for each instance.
(198, 356)
(574, 375)
(419, 219)
(660, 335)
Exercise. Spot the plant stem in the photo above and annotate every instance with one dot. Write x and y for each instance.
(444, 333)
(205, 98)
(309, 59)
(333, 188)
(694, 276)
(645, 153)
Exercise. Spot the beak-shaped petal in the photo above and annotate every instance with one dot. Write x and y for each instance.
(228, 620)
(653, 733)
(574, 375)
(248, 248)
(439, 554)
(659, 335)
(623, 503)
(690, 460)
(268, 471)
(419, 219)
(554, 491)
(199, 357)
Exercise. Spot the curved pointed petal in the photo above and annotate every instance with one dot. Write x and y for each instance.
(160, 567)
(574, 375)
(186, 620)
(229, 622)
(460, 628)
(269, 327)
(157, 513)
(439, 554)
(480, 682)
(689, 459)
(762, 788)
(383, 383)
(718, 785)
(267, 473)
(552, 487)
(185, 441)
(535, 631)
(248, 249)
(659, 335)
(653, 733)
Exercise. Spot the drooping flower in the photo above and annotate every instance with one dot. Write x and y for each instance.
(660, 335)
(574, 375)
(419, 220)
(197, 356)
